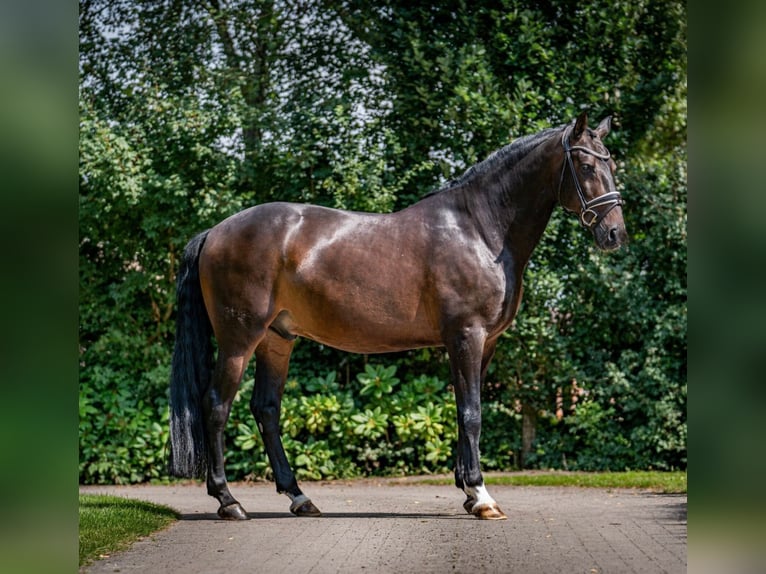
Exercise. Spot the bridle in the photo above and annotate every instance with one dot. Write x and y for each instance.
(590, 214)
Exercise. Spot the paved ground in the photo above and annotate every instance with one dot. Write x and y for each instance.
(406, 527)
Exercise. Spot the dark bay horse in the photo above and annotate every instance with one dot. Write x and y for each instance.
(446, 271)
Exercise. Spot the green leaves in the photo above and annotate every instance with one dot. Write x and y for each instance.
(122, 436)
(377, 381)
(428, 420)
(322, 412)
(375, 424)
(371, 424)
(246, 438)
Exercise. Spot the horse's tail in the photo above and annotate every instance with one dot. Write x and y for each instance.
(191, 369)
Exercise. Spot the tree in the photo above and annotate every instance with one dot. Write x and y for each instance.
(465, 80)
(192, 111)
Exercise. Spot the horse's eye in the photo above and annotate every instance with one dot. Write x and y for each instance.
(586, 168)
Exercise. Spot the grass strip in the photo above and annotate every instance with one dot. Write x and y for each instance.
(111, 523)
(655, 481)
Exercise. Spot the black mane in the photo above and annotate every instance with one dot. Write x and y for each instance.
(509, 154)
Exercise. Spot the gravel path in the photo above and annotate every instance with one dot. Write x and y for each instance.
(409, 527)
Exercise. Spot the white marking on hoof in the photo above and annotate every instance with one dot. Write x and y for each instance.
(481, 504)
(479, 496)
(297, 501)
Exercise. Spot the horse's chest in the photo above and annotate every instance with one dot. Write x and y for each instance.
(506, 306)
(487, 291)
(509, 309)
(499, 296)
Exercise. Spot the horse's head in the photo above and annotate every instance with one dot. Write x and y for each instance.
(587, 185)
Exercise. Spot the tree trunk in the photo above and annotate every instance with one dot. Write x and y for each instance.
(249, 61)
(528, 428)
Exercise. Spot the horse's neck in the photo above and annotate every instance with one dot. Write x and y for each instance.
(518, 202)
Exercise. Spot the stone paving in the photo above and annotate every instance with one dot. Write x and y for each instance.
(405, 526)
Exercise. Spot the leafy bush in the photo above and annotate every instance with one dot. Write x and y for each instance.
(122, 435)
(374, 424)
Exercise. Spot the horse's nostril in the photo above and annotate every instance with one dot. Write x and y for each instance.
(613, 235)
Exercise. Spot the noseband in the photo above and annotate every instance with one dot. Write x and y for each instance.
(590, 214)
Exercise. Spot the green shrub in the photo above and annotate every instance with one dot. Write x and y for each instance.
(122, 436)
(374, 424)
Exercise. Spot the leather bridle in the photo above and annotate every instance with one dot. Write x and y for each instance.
(593, 211)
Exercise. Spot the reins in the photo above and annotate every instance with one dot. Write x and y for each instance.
(589, 215)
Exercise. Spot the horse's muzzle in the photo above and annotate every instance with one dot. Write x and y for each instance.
(610, 237)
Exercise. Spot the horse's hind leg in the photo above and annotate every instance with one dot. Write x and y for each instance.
(272, 358)
(217, 406)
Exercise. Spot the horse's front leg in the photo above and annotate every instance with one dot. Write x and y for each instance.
(217, 406)
(470, 354)
(272, 358)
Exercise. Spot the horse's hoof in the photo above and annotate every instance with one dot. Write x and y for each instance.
(306, 508)
(232, 512)
(468, 504)
(489, 512)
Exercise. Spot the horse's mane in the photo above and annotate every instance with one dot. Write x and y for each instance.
(507, 155)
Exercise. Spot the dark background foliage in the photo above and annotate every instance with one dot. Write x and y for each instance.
(190, 111)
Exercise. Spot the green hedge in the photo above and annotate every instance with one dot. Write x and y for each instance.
(375, 424)
(380, 108)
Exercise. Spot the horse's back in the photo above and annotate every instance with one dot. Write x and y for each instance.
(355, 281)
(293, 235)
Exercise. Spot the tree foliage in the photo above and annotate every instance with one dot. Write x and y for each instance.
(191, 111)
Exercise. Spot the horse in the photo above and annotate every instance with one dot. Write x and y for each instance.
(447, 273)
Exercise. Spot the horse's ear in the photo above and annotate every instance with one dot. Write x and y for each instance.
(603, 128)
(580, 125)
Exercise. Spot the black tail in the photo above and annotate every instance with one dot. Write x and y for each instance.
(191, 369)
